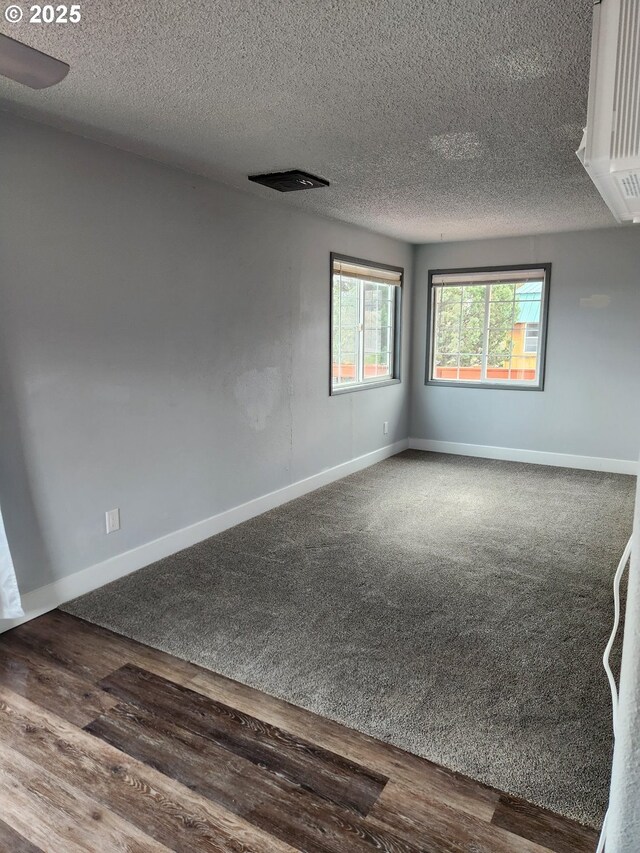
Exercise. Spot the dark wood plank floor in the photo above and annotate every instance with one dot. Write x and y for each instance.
(108, 745)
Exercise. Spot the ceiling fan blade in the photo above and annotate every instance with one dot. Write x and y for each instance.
(27, 65)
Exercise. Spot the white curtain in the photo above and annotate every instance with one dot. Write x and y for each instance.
(10, 606)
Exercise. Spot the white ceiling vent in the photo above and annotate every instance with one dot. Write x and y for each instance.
(610, 149)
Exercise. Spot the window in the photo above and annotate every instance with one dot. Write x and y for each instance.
(531, 332)
(365, 320)
(487, 327)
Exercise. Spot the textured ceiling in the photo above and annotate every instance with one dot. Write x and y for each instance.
(444, 119)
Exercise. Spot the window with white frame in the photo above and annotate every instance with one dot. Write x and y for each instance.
(487, 327)
(365, 317)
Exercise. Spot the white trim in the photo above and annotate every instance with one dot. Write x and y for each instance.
(537, 457)
(48, 597)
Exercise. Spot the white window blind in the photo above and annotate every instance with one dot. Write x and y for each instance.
(511, 276)
(376, 275)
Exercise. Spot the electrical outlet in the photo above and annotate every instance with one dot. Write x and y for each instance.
(112, 520)
(385, 428)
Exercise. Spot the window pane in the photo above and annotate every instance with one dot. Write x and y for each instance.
(459, 325)
(497, 367)
(527, 319)
(501, 314)
(346, 335)
(348, 339)
(497, 359)
(451, 294)
(474, 293)
(348, 292)
(378, 316)
(470, 367)
(523, 369)
(345, 369)
(529, 291)
(501, 341)
(371, 340)
(445, 366)
(472, 328)
(470, 359)
(502, 292)
(448, 317)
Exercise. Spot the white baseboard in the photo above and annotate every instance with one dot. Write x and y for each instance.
(48, 597)
(537, 457)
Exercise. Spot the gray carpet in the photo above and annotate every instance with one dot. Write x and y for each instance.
(455, 607)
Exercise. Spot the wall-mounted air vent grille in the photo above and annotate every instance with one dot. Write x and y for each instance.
(288, 182)
(625, 139)
(610, 148)
(630, 185)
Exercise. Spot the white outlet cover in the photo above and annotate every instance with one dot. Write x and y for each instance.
(112, 520)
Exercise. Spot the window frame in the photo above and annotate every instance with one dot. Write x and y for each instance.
(395, 377)
(542, 337)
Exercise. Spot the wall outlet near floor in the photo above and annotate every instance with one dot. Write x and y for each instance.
(112, 520)
(385, 428)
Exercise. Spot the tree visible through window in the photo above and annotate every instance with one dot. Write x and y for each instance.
(487, 327)
(365, 303)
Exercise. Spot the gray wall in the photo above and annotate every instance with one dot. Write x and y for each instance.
(591, 402)
(164, 349)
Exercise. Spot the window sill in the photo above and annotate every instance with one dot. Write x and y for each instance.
(501, 386)
(363, 386)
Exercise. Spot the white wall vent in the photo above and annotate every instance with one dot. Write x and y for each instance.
(610, 148)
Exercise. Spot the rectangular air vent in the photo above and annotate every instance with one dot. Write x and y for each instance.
(625, 139)
(610, 148)
(291, 181)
